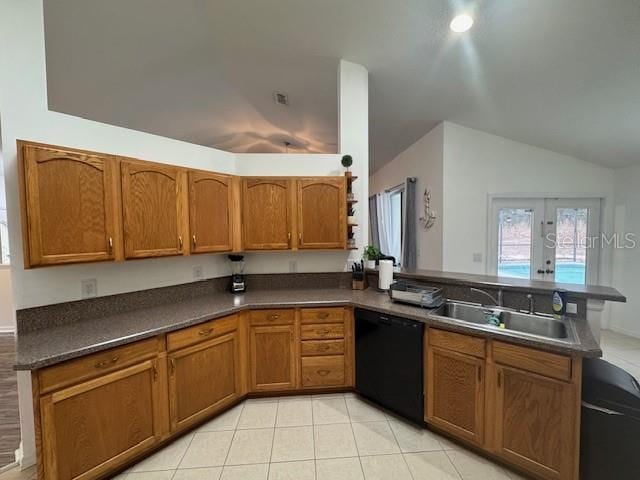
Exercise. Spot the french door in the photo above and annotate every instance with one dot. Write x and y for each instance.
(554, 239)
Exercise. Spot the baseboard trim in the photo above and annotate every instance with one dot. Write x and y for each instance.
(7, 330)
(625, 332)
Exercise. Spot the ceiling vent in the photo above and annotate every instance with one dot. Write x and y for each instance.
(281, 98)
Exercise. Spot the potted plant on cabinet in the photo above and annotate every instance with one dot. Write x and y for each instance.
(347, 161)
(371, 255)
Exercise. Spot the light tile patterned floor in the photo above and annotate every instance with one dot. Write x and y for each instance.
(327, 437)
(319, 437)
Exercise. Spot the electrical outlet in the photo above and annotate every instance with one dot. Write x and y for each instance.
(197, 273)
(572, 308)
(89, 288)
(477, 257)
(293, 266)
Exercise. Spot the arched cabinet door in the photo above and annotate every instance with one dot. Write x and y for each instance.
(266, 213)
(152, 208)
(322, 213)
(210, 207)
(69, 211)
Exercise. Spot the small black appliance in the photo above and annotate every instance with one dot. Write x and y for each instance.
(237, 284)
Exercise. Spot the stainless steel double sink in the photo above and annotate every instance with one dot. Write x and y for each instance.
(491, 317)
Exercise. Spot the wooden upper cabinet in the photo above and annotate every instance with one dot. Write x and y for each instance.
(322, 204)
(266, 213)
(455, 393)
(153, 210)
(210, 212)
(69, 205)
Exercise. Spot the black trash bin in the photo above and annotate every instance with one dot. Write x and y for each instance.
(610, 431)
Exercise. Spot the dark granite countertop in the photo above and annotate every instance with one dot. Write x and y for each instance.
(54, 344)
(596, 292)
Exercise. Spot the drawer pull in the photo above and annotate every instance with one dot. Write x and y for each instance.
(325, 347)
(323, 373)
(323, 315)
(275, 316)
(205, 332)
(106, 363)
(324, 331)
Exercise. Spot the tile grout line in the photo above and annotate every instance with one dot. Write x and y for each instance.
(400, 448)
(455, 467)
(313, 439)
(226, 457)
(353, 434)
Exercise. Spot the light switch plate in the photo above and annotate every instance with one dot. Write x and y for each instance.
(89, 288)
(477, 257)
(572, 308)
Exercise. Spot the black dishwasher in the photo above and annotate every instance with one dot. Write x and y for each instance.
(389, 363)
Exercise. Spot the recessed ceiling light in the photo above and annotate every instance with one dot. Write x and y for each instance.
(461, 23)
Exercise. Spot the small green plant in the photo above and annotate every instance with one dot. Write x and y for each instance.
(347, 161)
(371, 252)
(351, 212)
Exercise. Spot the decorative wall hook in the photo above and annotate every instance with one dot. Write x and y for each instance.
(429, 217)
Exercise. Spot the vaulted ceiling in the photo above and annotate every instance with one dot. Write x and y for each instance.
(559, 75)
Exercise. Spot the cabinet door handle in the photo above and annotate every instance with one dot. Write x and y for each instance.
(193, 238)
(500, 379)
(155, 372)
(180, 241)
(110, 245)
(324, 373)
(172, 362)
(205, 332)
(479, 374)
(106, 363)
(300, 237)
(289, 238)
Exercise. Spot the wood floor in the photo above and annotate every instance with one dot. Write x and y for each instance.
(9, 414)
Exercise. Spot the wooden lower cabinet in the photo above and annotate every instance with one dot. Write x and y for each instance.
(519, 404)
(90, 428)
(455, 393)
(273, 357)
(203, 378)
(535, 423)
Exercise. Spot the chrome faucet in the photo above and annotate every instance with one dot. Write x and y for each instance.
(532, 307)
(496, 301)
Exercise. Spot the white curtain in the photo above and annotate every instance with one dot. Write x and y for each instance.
(390, 242)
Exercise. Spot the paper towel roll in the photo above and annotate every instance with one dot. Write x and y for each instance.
(385, 274)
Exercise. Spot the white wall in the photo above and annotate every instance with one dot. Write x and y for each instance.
(478, 165)
(422, 160)
(626, 261)
(7, 322)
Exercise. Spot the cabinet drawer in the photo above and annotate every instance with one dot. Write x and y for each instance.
(532, 360)
(322, 315)
(272, 317)
(89, 366)
(312, 348)
(204, 331)
(323, 371)
(320, 331)
(457, 342)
